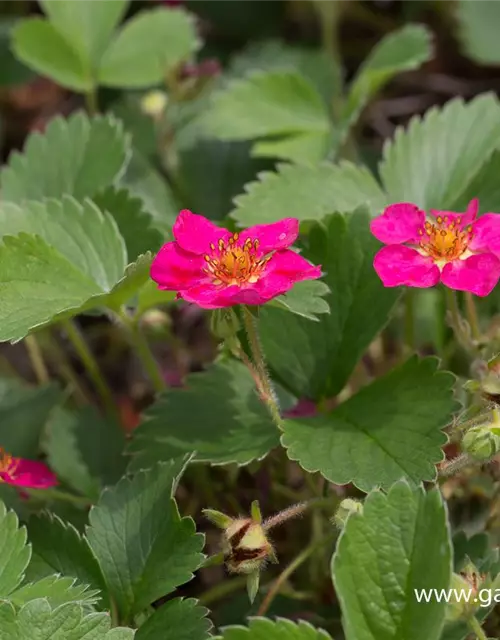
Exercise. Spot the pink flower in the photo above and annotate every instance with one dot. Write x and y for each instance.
(214, 268)
(453, 248)
(25, 473)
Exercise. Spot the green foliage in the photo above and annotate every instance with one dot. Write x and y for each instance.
(12, 71)
(14, 553)
(477, 30)
(306, 299)
(412, 172)
(145, 549)
(79, 47)
(217, 414)
(24, 412)
(307, 193)
(86, 155)
(315, 359)
(408, 407)
(56, 590)
(280, 629)
(177, 620)
(271, 103)
(406, 531)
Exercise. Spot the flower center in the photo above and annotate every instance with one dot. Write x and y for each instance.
(445, 239)
(235, 265)
(8, 464)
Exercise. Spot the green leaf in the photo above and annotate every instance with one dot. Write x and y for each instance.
(134, 223)
(42, 48)
(150, 296)
(14, 552)
(399, 435)
(86, 155)
(307, 193)
(477, 30)
(164, 37)
(400, 543)
(266, 104)
(135, 277)
(12, 71)
(485, 186)
(59, 548)
(465, 134)
(64, 455)
(24, 412)
(177, 620)
(56, 590)
(300, 148)
(217, 414)
(37, 621)
(316, 359)
(306, 299)
(145, 182)
(87, 26)
(144, 547)
(280, 629)
(402, 50)
(8, 627)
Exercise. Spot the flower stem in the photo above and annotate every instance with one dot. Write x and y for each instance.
(269, 395)
(410, 318)
(472, 316)
(36, 359)
(476, 628)
(144, 353)
(90, 364)
(91, 101)
(58, 494)
(222, 589)
(456, 320)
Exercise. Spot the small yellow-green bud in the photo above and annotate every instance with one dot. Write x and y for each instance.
(482, 442)
(224, 323)
(156, 322)
(153, 103)
(346, 507)
(465, 589)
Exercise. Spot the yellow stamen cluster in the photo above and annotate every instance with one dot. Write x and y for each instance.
(232, 264)
(445, 240)
(8, 464)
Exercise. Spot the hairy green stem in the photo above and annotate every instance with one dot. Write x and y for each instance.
(472, 317)
(476, 628)
(268, 395)
(58, 494)
(456, 320)
(91, 101)
(410, 318)
(90, 363)
(223, 589)
(144, 353)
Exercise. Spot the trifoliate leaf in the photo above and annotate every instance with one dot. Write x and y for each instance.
(477, 30)
(24, 411)
(86, 155)
(164, 37)
(401, 50)
(399, 544)
(303, 148)
(14, 552)
(134, 223)
(218, 414)
(280, 629)
(466, 136)
(388, 430)
(177, 620)
(316, 359)
(57, 590)
(145, 549)
(307, 193)
(58, 548)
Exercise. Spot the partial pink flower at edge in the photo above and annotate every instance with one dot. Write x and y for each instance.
(453, 248)
(213, 267)
(21, 472)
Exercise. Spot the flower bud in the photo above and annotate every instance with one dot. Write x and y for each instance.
(467, 581)
(345, 509)
(153, 104)
(156, 322)
(224, 323)
(482, 442)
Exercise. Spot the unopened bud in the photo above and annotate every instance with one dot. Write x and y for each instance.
(346, 508)
(482, 442)
(468, 581)
(224, 323)
(153, 104)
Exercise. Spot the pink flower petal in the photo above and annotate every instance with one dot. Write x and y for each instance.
(174, 269)
(278, 235)
(30, 474)
(486, 233)
(398, 265)
(398, 223)
(210, 296)
(194, 233)
(478, 274)
(292, 265)
(465, 218)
